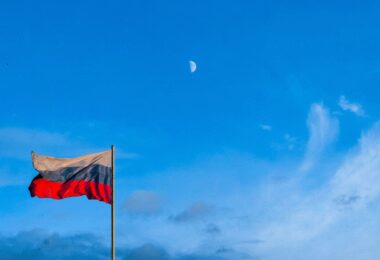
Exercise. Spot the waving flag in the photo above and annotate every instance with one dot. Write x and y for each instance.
(59, 178)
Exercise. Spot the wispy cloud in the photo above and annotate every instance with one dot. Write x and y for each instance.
(346, 105)
(194, 212)
(265, 127)
(357, 176)
(143, 202)
(291, 141)
(126, 155)
(346, 199)
(8, 179)
(18, 142)
(323, 128)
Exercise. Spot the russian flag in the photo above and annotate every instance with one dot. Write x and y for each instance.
(59, 178)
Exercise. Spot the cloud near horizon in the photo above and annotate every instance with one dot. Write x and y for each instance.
(42, 245)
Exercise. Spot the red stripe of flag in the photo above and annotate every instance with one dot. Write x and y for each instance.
(43, 188)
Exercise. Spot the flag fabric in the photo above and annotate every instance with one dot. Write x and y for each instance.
(59, 178)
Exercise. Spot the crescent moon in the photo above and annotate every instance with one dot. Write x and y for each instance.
(193, 66)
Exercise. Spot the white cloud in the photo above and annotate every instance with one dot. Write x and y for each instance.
(323, 128)
(359, 175)
(353, 107)
(343, 209)
(265, 127)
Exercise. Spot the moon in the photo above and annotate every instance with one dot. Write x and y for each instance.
(193, 66)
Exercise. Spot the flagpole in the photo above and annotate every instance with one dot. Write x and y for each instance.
(112, 205)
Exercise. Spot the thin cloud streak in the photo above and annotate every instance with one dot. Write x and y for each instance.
(323, 129)
(19, 142)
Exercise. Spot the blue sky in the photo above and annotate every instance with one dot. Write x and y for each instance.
(269, 150)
